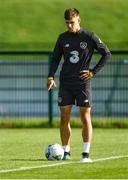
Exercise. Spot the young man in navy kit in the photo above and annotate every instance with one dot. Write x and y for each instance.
(77, 46)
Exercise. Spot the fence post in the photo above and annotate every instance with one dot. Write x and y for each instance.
(50, 99)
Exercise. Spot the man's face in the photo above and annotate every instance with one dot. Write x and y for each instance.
(73, 24)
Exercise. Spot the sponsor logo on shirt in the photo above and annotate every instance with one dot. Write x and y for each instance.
(86, 101)
(83, 45)
(74, 57)
(66, 45)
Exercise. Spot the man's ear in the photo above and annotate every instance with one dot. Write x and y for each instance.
(79, 20)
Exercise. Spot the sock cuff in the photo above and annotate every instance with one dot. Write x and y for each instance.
(86, 147)
(66, 148)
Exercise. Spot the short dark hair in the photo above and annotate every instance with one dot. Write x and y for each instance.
(71, 12)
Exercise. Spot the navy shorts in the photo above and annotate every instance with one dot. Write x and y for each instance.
(80, 96)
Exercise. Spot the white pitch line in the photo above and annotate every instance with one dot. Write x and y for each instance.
(33, 167)
(112, 157)
(60, 163)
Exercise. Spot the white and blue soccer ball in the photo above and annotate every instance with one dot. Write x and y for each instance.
(54, 152)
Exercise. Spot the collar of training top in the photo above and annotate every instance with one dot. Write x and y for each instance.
(78, 32)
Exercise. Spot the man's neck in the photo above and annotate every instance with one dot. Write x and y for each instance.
(77, 30)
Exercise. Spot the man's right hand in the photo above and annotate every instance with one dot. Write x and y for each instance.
(51, 84)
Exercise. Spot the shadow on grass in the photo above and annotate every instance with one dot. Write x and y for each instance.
(27, 159)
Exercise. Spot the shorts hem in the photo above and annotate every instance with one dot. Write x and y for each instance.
(66, 104)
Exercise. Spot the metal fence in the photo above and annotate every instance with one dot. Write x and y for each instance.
(23, 91)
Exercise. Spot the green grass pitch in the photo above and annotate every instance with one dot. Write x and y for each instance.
(25, 148)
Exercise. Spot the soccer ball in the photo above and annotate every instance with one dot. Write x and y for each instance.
(54, 152)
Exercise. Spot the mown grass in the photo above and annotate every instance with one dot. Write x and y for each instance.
(35, 24)
(25, 148)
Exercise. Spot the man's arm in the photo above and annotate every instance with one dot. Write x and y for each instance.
(103, 50)
(56, 57)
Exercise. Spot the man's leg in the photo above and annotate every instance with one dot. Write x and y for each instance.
(65, 129)
(85, 113)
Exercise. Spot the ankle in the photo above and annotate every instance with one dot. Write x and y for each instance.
(85, 155)
(67, 153)
(66, 148)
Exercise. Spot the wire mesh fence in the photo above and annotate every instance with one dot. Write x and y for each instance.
(23, 91)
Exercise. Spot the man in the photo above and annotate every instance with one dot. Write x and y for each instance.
(76, 46)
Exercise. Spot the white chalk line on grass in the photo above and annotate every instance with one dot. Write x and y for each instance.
(59, 164)
(112, 157)
(33, 167)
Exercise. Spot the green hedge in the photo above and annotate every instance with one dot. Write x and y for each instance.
(35, 24)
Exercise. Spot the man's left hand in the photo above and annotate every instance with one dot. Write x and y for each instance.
(86, 74)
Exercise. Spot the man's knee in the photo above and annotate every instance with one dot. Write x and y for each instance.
(85, 111)
(65, 113)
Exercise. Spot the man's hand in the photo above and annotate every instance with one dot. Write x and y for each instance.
(51, 84)
(86, 74)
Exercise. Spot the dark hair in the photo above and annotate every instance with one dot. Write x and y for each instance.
(71, 12)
